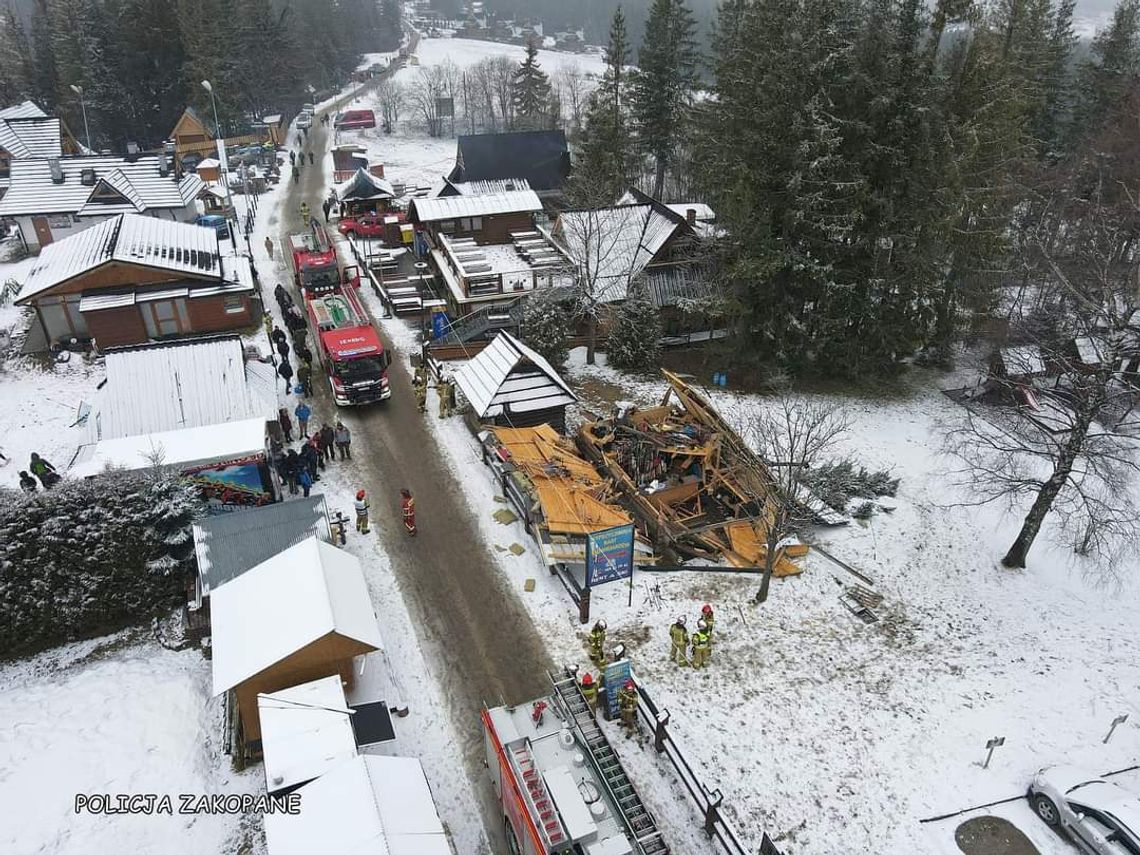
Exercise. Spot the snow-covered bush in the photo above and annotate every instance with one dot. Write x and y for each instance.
(634, 339)
(546, 328)
(91, 556)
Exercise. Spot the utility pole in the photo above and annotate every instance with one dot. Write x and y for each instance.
(224, 164)
(78, 90)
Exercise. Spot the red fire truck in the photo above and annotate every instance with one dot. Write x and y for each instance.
(349, 347)
(559, 782)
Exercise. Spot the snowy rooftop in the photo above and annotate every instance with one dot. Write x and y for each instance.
(509, 376)
(179, 384)
(487, 187)
(1023, 359)
(372, 804)
(23, 110)
(702, 212)
(284, 604)
(452, 207)
(615, 244)
(182, 448)
(364, 186)
(130, 239)
(305, 732)
(31, 136)
(120, 184)
(226, 545)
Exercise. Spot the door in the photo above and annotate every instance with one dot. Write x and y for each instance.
(43, 231)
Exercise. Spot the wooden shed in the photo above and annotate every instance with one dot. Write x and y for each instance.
(301, 615)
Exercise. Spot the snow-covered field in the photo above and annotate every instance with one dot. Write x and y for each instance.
(412, 157)
(115, 715)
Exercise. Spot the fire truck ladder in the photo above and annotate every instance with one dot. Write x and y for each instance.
(536, 790)
(634, 814)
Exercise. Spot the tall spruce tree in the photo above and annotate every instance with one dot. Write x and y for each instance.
(46, 83)
(605, 160)
(664, 82)
(17, 70)
(530, 92)
(1110, 71)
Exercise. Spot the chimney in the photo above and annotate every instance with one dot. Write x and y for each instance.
(132, 152)
(170, 153)
(691, 216)
(56, 170)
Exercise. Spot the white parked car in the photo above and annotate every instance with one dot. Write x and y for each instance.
(305, 120)
(1100, 817)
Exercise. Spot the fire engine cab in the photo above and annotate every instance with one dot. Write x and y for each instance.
(561, 787)
(349, 346)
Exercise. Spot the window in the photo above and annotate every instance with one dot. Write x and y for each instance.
(233, 304)
(447, 226)
(476, 224)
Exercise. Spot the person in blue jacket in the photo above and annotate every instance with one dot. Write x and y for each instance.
(302, 413)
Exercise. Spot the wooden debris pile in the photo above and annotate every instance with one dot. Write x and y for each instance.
(692, 482)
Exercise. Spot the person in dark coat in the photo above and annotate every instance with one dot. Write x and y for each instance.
(306, 356)
(292, 469)
(308, 457)
(325, 207)
(292, 158)
(283, 348)
(280, 294)
(304, 379)
(300, 336)
(310, 158)
(286, 372)
(286, 424)
(293, 318)
(315, 442)
(28, 483)
(327, 438)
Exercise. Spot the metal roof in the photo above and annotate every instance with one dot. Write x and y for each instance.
(32, 191)
(24, 110)
(179, 384)
(507, 376)
(364, 186)
(542, 157)
(131, 239)
(117, 181)
(483, 188)
(614, 245)
(370, 804)
(283, 605)
(226, 545)
(38, 136)
(451, 207)
(306, 730)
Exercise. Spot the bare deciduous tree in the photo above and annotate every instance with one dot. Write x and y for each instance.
(791, 435)
(392, 97)
(573, 90)
(1070, 446)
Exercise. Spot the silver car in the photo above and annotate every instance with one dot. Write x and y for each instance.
(1099, 817)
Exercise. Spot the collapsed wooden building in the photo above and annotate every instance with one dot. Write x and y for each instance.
(697, 490)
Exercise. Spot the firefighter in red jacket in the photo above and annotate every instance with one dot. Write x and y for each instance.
(408, 509)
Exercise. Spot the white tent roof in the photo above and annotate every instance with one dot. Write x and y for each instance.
(284, 604)
(179, 384)
(130, 239)
(305, 732)
(508, 374)
(23, 110)
(372, 805)
(180, 448)
(451, 207)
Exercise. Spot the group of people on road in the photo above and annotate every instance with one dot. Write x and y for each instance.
(445, 388)
(699, 645)
(299, 331)
(300, 467)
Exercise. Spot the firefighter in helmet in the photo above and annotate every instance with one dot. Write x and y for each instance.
(627, 706)
(701, 642)
(707, 617)
(589, 691)
(679, 642)
(598, 644)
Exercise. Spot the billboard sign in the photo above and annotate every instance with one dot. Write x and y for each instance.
(616, 674)
(445, 108)
(609, 555)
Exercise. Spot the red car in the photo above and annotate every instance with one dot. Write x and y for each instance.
(366, 225)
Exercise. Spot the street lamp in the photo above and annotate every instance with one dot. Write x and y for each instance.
(78, 90)
(225, 167)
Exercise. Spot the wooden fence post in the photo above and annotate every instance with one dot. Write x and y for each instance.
(712, 815)
(659, 732)
(584, 606)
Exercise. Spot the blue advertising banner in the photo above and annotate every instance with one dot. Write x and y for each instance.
(615, 676)
(609, 555)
